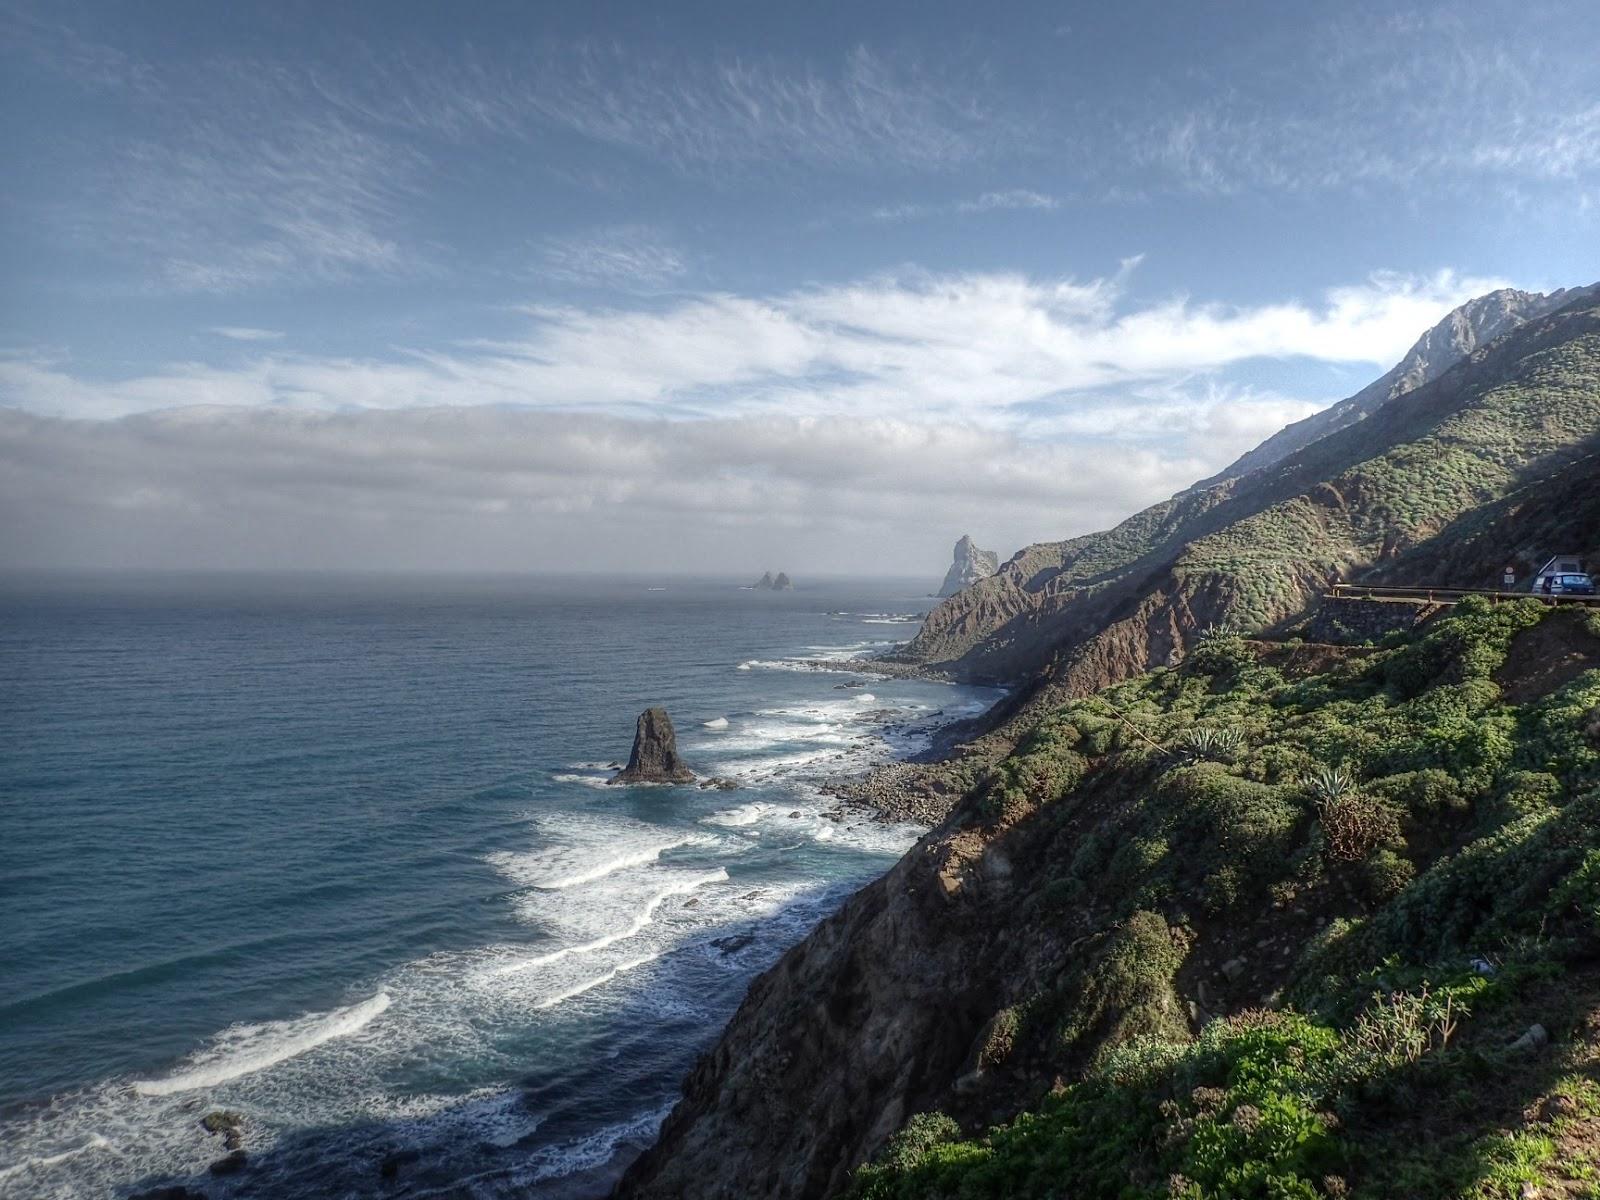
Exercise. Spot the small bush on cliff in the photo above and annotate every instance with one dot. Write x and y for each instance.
(917, 1138)
(1220, 651)
(1471, 644)
(1353, 826)
(1129, 992)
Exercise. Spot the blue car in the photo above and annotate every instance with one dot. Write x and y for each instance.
(1570, 585)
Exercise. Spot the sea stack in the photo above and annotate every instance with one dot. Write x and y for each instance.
(782, 583)
(765, 583)
(970, 565)
(655, 752)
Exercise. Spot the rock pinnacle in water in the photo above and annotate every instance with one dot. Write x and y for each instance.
(655, 752)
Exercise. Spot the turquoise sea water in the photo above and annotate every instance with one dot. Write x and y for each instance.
(336, 853)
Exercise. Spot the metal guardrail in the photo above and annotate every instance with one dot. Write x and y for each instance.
(1347, 591)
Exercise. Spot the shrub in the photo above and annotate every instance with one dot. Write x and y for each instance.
(1129, 992)
(1400, 1027)
(1385, 874)
(1220, 651)
(1470, 644)
(920, 1134)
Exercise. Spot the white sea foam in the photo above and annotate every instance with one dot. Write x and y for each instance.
(594, 781)
(636, 925)
(866, 698)
(732, 818)
(716, 723)
(43, 1162)
(588, 985)
(245, 1049)
(580, 849)
(595, 1150)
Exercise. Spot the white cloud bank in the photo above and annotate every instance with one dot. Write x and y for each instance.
(989, 348)
(483, 488)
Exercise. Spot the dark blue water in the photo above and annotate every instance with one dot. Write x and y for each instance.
(336, 853)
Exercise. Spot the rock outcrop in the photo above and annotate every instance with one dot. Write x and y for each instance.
(766, 583)
(655, 752)
(782, 583)
(970, 565)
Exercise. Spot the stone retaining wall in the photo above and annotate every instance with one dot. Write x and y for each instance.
(1356, 621)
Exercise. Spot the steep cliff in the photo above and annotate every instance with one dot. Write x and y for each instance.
(1081, 954)
(970, 565)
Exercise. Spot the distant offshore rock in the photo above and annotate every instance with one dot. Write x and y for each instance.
(655, 753)
(970, 565)
(768, 584)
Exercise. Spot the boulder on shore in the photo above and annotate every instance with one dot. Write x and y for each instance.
(655, 752)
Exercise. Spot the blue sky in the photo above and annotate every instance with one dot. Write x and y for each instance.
(832, 283)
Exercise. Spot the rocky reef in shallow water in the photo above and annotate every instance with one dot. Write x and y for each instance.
(655, 752)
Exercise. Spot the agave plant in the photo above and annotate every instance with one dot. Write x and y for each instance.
(1206, 743)
(1329, 785)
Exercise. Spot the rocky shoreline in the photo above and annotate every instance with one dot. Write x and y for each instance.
(921, 789)
(909, 792)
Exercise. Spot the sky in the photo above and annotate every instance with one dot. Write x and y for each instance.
(730, 287)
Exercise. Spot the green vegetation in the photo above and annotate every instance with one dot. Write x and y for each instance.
(1472, 471)
(1385, 872)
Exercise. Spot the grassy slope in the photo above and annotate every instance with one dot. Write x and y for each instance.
(1259, 548)
(1357, 1047)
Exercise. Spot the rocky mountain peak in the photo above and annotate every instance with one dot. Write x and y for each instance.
(971, 564)
(1460, 334)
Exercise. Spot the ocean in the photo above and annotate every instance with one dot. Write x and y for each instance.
(336, 853)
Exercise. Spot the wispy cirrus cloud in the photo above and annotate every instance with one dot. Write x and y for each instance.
(627, 258)
(306, 201)
(1008, 200)
(1418, 99)
(718, 113)
(246, 333)
(1012, 198)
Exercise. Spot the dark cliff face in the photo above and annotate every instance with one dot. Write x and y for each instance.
(865, 1023)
